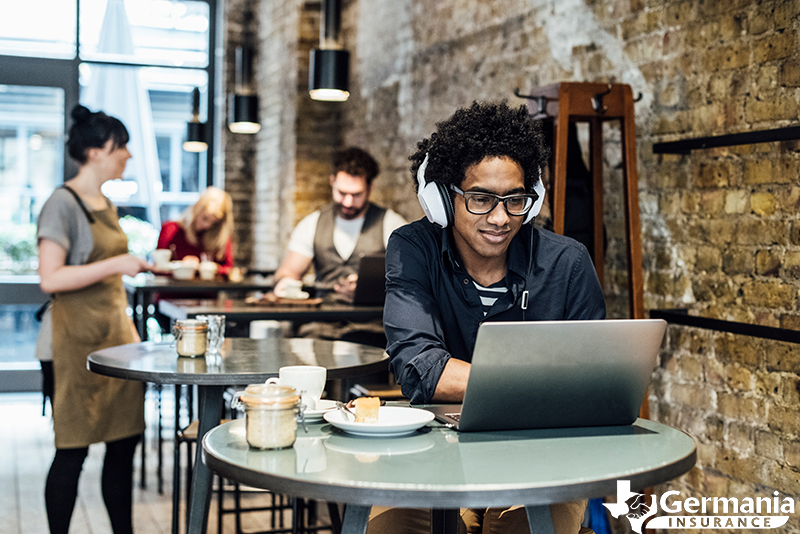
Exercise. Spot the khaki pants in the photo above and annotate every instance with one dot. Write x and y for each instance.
(567, 519)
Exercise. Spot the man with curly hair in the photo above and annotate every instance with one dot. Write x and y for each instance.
(473, 260)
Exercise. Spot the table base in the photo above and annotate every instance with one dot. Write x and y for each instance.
(210, 414)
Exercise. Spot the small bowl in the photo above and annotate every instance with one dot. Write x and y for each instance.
(184, 271)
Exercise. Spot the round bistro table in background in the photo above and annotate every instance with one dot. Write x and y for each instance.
(243, 361)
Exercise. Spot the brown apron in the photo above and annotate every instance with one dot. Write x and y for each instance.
(90, 408)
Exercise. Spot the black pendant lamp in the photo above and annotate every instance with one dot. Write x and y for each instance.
(196, 130)
(243, 103)
(330, 65)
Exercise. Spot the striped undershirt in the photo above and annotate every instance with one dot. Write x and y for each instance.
(489, 295)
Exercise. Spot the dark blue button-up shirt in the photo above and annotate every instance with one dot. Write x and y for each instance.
(433, 310)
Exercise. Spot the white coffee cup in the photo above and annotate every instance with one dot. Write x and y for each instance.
(161, 258)
(291, 289)
(309, 380)
(208, 270)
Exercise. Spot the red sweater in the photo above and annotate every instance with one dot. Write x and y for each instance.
(174, 236)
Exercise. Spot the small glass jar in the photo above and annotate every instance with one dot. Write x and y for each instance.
(190, 337)
(270, 414)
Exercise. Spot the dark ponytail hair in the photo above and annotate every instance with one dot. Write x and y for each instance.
(93, 130)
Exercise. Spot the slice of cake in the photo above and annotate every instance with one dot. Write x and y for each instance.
(367, 409)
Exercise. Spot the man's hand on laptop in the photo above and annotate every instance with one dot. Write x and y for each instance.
(346, 287)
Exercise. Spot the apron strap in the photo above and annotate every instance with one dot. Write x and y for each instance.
(89, 216)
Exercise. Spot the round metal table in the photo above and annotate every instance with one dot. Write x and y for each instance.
(243, 361)
(443, 469)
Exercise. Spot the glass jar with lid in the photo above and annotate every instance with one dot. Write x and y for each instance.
(271, 413)
(190, 337)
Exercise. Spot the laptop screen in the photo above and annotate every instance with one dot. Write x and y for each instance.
(371, 285)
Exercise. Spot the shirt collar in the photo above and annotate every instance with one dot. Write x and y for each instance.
(519, 253)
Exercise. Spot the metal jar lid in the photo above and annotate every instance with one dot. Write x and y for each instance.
(191, 324)
(270, 396)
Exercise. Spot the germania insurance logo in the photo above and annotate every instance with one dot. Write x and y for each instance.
(699, 513)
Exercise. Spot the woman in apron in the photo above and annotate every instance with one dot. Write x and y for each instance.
(82, 255)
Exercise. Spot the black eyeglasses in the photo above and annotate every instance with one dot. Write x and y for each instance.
(480, 203)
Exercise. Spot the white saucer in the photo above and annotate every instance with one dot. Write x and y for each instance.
(392, 421)
(302, 295)
(323, 406)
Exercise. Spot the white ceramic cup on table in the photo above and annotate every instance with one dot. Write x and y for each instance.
(309, 380)
(208, 270)
(290, 288)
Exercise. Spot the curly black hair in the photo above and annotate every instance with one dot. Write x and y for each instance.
(356, 162)
(485, 129)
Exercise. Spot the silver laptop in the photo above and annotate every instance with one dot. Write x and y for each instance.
(553, 374)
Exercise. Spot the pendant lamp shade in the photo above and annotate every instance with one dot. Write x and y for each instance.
(243, 114)
(329, 75)
(243, 104)
(195, 130)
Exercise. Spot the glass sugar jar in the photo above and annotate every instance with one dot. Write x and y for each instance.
(271, 413)
(190, 337)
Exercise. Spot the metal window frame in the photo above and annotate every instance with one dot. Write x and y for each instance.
(64, 74)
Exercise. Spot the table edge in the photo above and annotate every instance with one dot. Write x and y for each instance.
(416, 497)
(220, 379)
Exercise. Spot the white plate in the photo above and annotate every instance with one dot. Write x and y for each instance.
(323, 406)
(392, 421)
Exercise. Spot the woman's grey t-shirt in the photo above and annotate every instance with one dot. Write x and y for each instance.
(63, 221)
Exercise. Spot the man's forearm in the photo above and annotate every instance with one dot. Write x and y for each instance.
(453, 381)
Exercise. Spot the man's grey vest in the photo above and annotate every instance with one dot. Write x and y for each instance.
(328, 265)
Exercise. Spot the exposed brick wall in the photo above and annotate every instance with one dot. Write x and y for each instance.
(239, 149)
(277, 75)
(720, 228)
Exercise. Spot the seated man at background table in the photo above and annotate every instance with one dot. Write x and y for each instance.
(475, 259)
(336, 236)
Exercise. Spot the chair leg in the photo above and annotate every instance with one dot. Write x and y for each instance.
(160, 441)
(189, 470)
(220, 503)
(336, 518)
(237, 506)
(143, 469)
(297, 516)
(311, 513)
(176, 485)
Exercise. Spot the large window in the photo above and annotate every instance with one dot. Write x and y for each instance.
(137, 60)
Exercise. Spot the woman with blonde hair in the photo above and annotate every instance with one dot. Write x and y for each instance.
(205, 229)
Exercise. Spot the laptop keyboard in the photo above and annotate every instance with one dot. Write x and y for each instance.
(454, 416)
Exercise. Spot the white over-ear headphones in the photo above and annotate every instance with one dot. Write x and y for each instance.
(437, 203)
